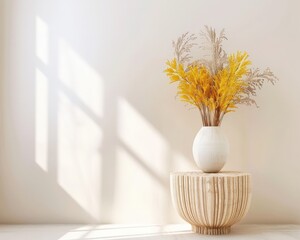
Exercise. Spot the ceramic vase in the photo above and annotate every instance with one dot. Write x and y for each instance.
(210, 149)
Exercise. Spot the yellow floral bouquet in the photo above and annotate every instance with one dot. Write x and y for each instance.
(217, 83)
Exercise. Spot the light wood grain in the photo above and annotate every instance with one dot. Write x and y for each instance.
(211, 202)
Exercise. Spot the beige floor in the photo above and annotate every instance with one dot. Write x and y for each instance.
(138, 232)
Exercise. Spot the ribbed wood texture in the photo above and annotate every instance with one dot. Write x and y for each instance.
(211, 202)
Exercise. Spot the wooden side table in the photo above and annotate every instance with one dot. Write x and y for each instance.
(211, 202)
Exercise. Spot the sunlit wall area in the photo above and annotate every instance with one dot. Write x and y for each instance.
(91, 129)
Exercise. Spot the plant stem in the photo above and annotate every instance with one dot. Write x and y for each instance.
(202, 115)
(206, 116)
(221, 118)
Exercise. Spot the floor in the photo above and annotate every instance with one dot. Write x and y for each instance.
(138, 232)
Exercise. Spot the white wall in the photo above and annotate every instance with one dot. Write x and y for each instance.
(91, 128)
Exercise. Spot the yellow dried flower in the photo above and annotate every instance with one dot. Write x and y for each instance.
(217, 85)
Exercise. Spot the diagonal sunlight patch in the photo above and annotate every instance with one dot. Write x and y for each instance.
(142, 184)
(79, 158)
(141, 137)
(137, 191)
(41, 40)
(126, 232)
(80, 108)
(41, 120)
(81, 78)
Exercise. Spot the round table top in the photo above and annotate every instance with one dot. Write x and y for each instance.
(203, 174)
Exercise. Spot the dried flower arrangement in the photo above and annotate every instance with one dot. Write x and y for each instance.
(218, 83)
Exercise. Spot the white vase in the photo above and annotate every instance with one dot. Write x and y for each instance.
(210, 149)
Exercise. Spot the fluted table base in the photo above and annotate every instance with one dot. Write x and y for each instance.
(211, 202)
(211, 231)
